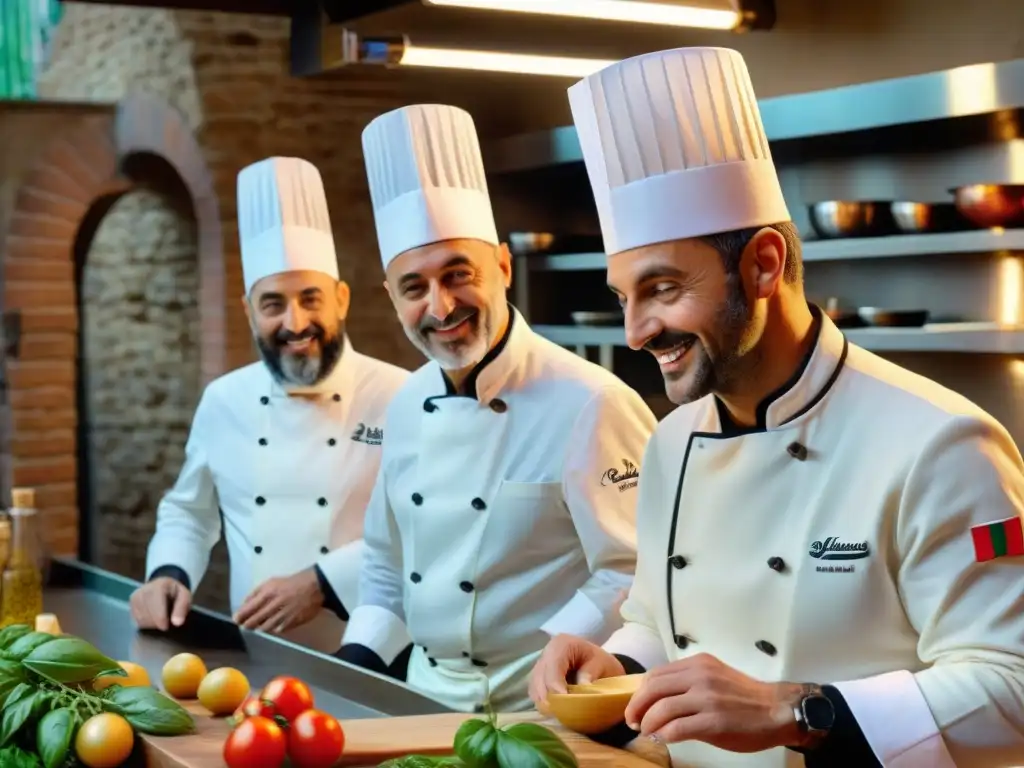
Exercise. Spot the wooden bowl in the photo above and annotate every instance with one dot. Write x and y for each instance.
(594, 707)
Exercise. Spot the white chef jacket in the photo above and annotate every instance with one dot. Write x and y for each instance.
(501, 519)
(290, 474)
(834, 544)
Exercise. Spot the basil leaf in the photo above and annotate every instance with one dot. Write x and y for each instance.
(476, 742)
(27, 643)
(528, 745)
(149, 711)
(11, 677)
(9, 634)
(53, 736)
(16, 757)
(19, 713)
(20, 691)
(69, 659)
(422, 761)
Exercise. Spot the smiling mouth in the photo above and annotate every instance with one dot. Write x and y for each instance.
(452, 328)
(674, 354)
(299, 345)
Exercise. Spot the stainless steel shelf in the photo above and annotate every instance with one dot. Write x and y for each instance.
(978, 89)
(982, 338)
(897, 246)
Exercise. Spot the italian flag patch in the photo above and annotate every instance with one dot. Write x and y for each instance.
(1001, 539)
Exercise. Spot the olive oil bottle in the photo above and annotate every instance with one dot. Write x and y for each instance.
(21, 595)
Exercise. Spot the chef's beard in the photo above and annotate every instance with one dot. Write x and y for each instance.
(706, 373)
(302, 370)
(465, 352)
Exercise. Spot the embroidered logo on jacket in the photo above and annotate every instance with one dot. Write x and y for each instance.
(626, 479)
(833, 548)
(368, 435)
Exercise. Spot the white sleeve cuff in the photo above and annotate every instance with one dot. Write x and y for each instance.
(341, 568)
(166, 549)
(639, 643)
(896, 721)
(377, 629)
(578, 617)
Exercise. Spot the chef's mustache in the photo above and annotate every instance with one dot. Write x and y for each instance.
(455, 317)
(669, 340)
(312, 331)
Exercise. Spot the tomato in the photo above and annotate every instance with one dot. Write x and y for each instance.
(256, 743)
(289, 696)
(137, 676)
(182, 675)
(223, 690)
(252, 707)
(104, 741)
(315, 740)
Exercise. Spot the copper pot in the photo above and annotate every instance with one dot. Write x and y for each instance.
(992, 205)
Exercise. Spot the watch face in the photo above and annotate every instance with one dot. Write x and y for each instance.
(819, 713)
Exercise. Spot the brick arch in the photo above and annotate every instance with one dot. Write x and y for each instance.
(74, 181)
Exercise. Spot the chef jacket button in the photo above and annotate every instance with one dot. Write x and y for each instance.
(678, 562)
(465, 654)
(498, 406)
(479, 663)
(681, 641)
(263, 441)
(765, 647)
(415, 578)
(776, 564)
(478, 503)
(257, 549)
(428, 406)
(264, 400)
(466, 586)
(432, 661)
(260, 500)
(324, 550)
(417, 499)
(337, 398)
(322, 501)
(331, 441)
(797, 451)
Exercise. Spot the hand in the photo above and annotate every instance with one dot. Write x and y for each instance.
(701, 699)
(567, 656)
(279, 604)
(153, 601)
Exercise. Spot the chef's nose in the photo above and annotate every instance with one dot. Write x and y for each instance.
(296, 318)
(440, 301)
(640, 328)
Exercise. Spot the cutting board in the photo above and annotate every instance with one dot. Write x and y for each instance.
(370, 742)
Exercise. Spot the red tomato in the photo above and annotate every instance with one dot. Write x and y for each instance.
(289, 696)
(315, 740)
(252, 707)
(256, 743)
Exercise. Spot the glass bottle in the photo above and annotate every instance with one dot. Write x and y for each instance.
(21, 598)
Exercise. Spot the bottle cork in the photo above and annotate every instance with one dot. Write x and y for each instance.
(23, 498)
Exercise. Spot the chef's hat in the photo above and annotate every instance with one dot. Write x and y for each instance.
(283, 224)
(426, 179)
(674, 147)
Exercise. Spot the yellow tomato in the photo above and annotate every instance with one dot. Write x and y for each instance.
(137, 676)
(182, 675)
(104, 741)
(223, 690)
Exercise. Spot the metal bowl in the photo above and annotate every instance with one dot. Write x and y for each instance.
(992, 205)
(928, 217)
(839, 218)
(893, 318)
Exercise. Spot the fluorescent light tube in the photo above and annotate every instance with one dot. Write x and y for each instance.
(612, 10)
(496, 61)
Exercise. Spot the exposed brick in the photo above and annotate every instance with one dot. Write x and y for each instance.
(49, 295)
(43, 227)
(79, 156)
(29, 375)
(37, 445)
(48, 410)
(57, 182)
(48, 346)
(39, 201)
(53, 469)
(38, 270)
(54, 495)
(46, 319)
(32, 248)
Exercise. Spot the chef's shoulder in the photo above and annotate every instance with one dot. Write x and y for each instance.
(239, 388)
(376, 381)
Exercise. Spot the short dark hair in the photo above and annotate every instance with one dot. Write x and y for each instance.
(730, 246)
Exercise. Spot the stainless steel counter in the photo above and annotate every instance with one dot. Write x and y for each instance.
(93, 605)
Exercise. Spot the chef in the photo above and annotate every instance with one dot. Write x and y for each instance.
(829, 546)
(282, 453)
(503, 514)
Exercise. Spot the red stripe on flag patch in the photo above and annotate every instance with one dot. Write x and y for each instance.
(983, 547)
(1014, 536)
(1003, 538)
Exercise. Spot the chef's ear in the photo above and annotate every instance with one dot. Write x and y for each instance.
(248, 308)
(505, 263)
(767, 249)
(344, 296)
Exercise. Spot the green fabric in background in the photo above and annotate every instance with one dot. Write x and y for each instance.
(26, 33)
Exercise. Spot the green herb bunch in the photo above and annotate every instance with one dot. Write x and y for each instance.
(483, 743)
(45, 697)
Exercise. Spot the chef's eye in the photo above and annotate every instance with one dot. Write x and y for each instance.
(413, 290)
(271, 307)
(312, 303)
(664, 290)
(460, 276)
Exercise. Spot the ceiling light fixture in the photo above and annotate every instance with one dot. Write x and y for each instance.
(701, 15)
(401, 52)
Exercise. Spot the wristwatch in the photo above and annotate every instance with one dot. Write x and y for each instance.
(814, 714)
